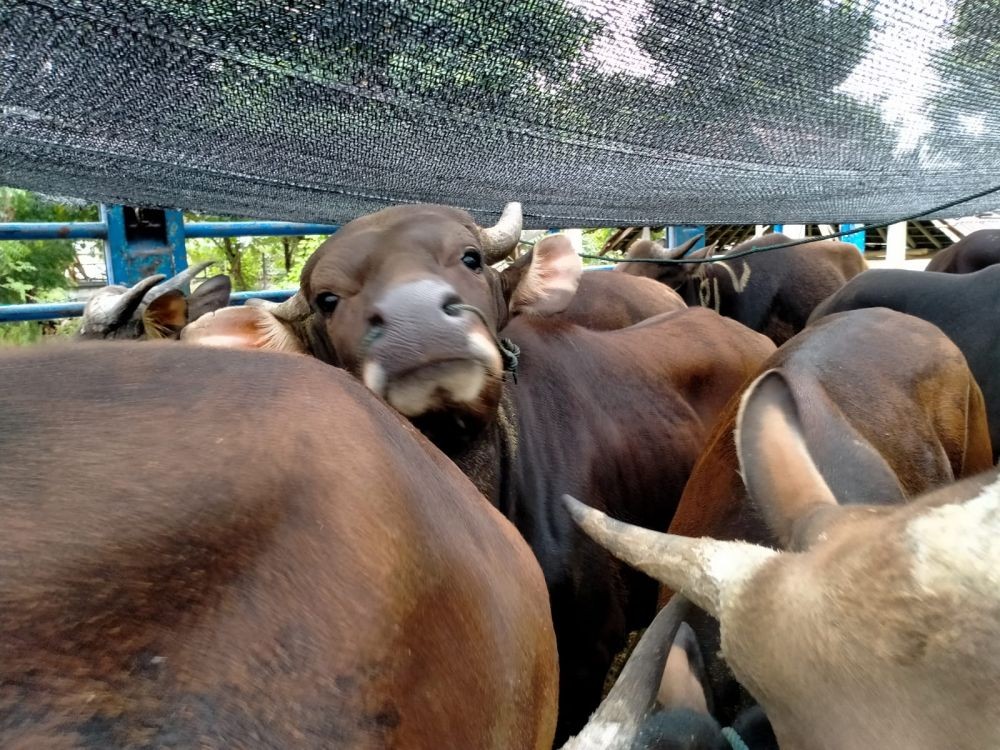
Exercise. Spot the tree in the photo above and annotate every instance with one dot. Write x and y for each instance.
(35, 270)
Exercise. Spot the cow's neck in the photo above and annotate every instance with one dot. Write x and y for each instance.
(484, 455)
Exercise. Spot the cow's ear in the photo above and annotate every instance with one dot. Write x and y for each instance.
(244, 328)
(683, 681)
(780, 475)
(548, 284)
(210, 296)
(166, 315)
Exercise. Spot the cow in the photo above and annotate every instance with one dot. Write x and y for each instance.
(192, 554)
(406, 300)
(153, 308)
(970, 254)
(877, 628)
(772, 292)
(961, 305)
(883, 392)
(609, 301)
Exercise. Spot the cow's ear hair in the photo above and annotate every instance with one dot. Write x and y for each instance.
(210, 296)
(245, 328)
(682, 684)
(548, 284)
(166, 315)
(780, 475)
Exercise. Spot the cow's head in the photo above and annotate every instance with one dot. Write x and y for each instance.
(153, 308)
(674, 275)
(407, 301)
(880, 607)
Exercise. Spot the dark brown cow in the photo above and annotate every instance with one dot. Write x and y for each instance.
(970, 254)
(771, 292)
(153, 308)
(192, 554)
(405, 299)
(609, 301)
(883, 393)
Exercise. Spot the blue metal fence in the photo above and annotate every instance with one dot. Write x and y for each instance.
(139, 243)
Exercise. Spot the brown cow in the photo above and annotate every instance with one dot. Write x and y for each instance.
(880, 633)
(772, 292)
(970, 254)
(882, 392)
(152, 308)
(192, 554)
(406, 300)
(608, 301)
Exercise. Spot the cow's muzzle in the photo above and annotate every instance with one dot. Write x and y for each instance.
(423, 351)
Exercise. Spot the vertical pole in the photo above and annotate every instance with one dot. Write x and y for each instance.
(681, 233)
(759, 229)
(142, 244)
(855, 238)
(645, 233)
(793, 231)
(114, 245)
(895, 245)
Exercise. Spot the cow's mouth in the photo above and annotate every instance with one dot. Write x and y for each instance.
(440, 385)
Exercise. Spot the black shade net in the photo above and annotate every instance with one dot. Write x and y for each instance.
(590, 112)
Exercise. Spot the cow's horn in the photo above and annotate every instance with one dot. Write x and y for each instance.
(704, 570)
(633, 698)
(499, 240)
(110, 308)
(293, 309)
(176, 282)
(678, 252)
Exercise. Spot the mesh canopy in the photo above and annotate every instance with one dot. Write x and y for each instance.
(590, 112)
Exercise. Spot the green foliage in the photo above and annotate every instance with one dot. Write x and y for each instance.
(253, 262)
(33, 271)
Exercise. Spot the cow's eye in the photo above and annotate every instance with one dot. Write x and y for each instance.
(326, 302)
(472, 260)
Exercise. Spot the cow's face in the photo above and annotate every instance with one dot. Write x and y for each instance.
(674, 275)
(406, 300)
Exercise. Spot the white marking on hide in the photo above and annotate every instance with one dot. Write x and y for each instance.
(482, 348)
(955, 549)
(373, 376)
(415, 395)
(708, 286)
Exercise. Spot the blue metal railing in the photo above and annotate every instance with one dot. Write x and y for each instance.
(133, 251)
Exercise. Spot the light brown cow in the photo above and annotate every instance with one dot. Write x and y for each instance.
(608, 301)
(880, 633)
(192, 554)
(885, 393)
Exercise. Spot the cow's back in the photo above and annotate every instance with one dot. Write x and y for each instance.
(775, 291)
(970, 254)
(219, 549)
(964, 306)
(607, 301)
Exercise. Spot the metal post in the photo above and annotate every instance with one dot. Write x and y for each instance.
(143, 242)
(792, 231)
(855, 238)
(895, 245)
(681, 233)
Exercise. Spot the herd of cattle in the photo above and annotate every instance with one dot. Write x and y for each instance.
(390, 512)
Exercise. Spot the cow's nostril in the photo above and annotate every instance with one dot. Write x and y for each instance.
(376, 321)
(451, 305)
